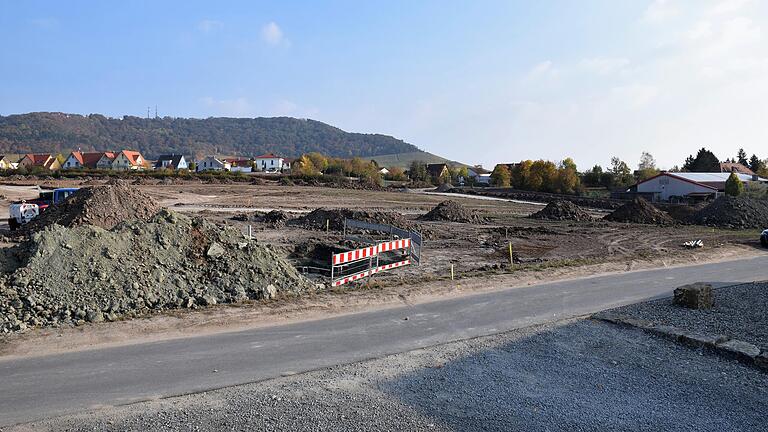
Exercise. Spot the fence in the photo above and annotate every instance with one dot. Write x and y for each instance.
(386, 255)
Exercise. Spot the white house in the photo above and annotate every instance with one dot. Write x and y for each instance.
(172, 162)
(128, 160)
(105, 161)
(211, 163)
(670, 186)
(269, 163)
(383, 171)
(483, 179)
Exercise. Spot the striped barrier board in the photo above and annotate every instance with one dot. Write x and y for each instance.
(354, 255)
(370, 272)
(394, 245)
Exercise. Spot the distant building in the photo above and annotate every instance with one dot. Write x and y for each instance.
(172, 162)
(240, 165)
(269, 163)
(10, 160)
(128, 160)
(47, 161)
(438, 171)
(80, 160)
(729, 167)
(687, 185)
(383, 171)
(211, 163)
(105, 161)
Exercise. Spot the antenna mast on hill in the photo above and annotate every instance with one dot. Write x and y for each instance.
(156, 111)
(147, 113)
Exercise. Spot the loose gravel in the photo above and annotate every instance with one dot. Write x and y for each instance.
(577, 375)
(739, 312)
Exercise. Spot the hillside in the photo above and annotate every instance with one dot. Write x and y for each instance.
(403, 160)
(58, 132)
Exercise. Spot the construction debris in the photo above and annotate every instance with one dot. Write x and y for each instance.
(69, 276)
(102, 206)
(333, 219)
(452, 211)
(562, 210)
(640, 211)
(734, 212)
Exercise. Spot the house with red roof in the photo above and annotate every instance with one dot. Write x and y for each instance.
(81, 160)
(129, 160)
(43, 160)
(269, 162)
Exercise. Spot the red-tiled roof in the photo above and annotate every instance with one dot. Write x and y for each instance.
(132, 156)
(38, 159)
(90, 159)
(267, 156)
(79, 156)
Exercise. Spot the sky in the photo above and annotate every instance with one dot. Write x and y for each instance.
(480, 82)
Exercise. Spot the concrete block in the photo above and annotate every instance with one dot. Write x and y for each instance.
(739, 350)
(694, 296)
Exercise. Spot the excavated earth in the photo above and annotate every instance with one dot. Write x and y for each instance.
(66, 276)
(734, 212)
(334, 218)
(562, 210)
(642, 212)
(452, 211)
(102, 206)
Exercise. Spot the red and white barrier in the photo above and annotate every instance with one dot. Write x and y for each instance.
(370, 272)
(394, 245)
(355, 255)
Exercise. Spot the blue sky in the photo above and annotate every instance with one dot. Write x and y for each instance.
(479, 81)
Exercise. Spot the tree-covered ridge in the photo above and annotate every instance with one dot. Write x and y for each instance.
(286, 136)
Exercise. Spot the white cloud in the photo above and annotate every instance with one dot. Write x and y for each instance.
(659, 11)
(544, 69)
(272, 34)
(207, 26)
(702, 30)
(635, 95)
(238, 107)
(604, 65)
(728, 6)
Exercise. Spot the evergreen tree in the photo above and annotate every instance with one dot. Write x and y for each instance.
(734, 186)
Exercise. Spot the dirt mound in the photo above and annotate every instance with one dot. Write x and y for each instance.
(275, 218)
(452, 211)
(445, 187)
(734, 212)
(103, 206)
(640, 211)
(71, 275)
(562, 210)
(335, 218)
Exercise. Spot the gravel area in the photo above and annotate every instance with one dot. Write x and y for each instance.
(577, 375)
(739, 312)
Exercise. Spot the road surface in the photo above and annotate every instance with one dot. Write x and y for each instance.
(41, 387)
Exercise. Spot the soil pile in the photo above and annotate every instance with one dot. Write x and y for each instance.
(562, 210)
(275, 218)
(103, 206)
(452, 211)
(335, 218)
(445, 187)
(72, 275)
(734, 212)
(640, 211)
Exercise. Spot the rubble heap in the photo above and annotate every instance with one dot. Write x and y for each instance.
(102, 206)
(734, 212)
(562, 210)
(335, 218)
(640, 211)
(452, 211)
(64, 276)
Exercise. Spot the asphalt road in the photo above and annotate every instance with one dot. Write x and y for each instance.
(42, 387)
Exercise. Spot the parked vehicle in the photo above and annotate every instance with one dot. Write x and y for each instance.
(22, 212)
(764, 238)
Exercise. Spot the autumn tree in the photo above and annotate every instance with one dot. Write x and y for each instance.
(734, 186)
(501, 177)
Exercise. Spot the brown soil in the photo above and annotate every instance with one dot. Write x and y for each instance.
(640, 211)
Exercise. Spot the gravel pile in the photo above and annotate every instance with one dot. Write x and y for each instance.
(734, 212)
(72, 275)
(103, 206)
(640, 211)
(562, 210)
(335, 218)
(739, 312)
(452, 211)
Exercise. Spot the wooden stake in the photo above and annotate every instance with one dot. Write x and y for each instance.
(451, 271)
(511, 259)
(327, 224)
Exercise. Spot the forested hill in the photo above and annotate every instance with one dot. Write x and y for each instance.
(286, 136)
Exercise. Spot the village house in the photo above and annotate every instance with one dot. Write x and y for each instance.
(239, 165)
(729, 167)
(211, 163)
(682, 186)
(105, 161)
(10, 160)
(171, 162)
(438, 171)
(79, 160)
(269, 163)
(128, 160)
(42, 160)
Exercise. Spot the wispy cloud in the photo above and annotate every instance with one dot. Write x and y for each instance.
(659, 11)
(604, 65)
(544, 69)
(208, 25)
(272, 34)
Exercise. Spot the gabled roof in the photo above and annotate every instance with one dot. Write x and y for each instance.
(132, 157)
(12, 157)
(90, 159)
(78, 156)
(38, 159)
(175, 160)
(436, 169)
(109, 155)
(708, 180)
(728, 167)
(268, 156)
